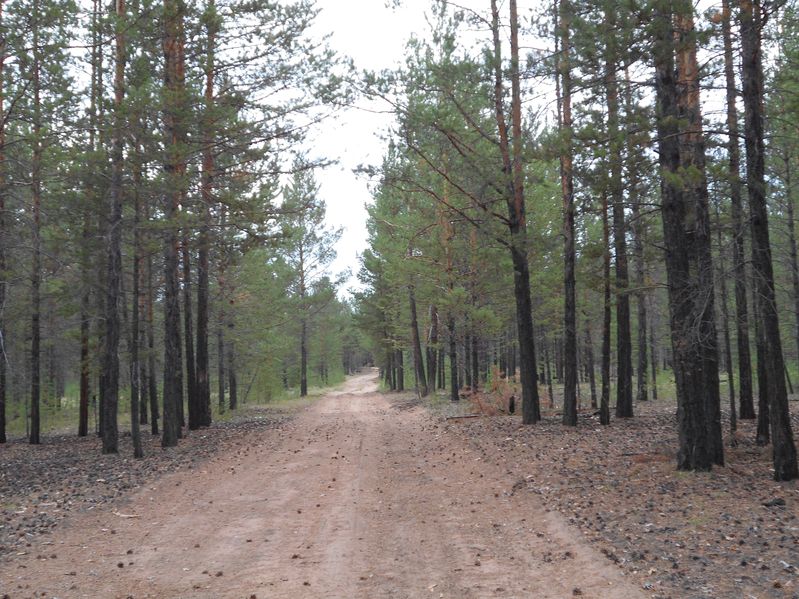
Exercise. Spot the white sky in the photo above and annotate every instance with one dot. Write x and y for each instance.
(374, 37)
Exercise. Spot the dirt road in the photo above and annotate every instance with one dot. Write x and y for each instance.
(356, 498)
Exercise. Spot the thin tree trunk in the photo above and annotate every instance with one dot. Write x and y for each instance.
(639, 231)
(114, 252)
(745, 397)
(220, 364)
(175, 134)
(206, 192)
(567, 190)
(36, 274)
(195, 415)
(784, 450)
(726, 329)
(432, 345)
(624, 392)
(231, 371)
(590, 367)
(793, 251)
(604, 402)
(453, 361)
(303, 358)
(400, 364)
(418, 363)
(512, 168)
(653, 354)
(3, 237)
(151, 379)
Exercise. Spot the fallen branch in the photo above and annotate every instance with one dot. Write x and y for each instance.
(465, 416)
(126, 515)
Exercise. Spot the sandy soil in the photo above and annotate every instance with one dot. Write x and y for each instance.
(357, 497)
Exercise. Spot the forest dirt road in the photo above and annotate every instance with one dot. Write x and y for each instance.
(356, 498)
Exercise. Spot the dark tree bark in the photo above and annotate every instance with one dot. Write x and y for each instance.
(135, 324)
(3, 237)
(418, 363)
(745, 397)
(303, 358)
(639, 231)
(654, 356)
(589, 364)
(693, 161)
(475, 362)
(726, 331)
(399, 363)
(567, 191)
(114, 250)
(151, 377)
(512, 168)
(188, 331)
(231, 372)
(206, 192)
(454, 388)
(604, 402)
(784, 450)
(175, 133)
(432, 351)
(686, 236)
(220, 366)
(36, 266)
(792, 247)
(624, 374)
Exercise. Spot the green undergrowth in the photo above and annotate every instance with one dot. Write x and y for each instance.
(62, 419)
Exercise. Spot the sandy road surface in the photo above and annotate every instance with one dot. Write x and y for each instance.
(356, 498)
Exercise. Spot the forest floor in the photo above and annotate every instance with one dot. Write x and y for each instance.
(359, 495)
(732, 532)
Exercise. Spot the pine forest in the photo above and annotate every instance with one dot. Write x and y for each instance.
(542, 342)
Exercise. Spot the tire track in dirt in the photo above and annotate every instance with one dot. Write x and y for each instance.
(354, 498)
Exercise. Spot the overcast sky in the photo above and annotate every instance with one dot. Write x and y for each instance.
(374, 37)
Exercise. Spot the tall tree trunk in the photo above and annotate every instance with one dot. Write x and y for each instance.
(151, 380)
(726, 329)
(206, 193)
(639, 231)
(432, 348)
(303, 358)
(114, 251)
(589, 363)
(400, 365)
(220, 368)
(745, 396)
(512, 168)
(624, 385)
(604, 401)
(418, 363)
(36, 274)
(231, 373)
(784, 450)
(175, 134)
(654, 357)
(136, 391)
(3, 235)
(454, 388)
(195, 415)
(686, 235)
(792, 241)
(567, 191)
(693, 161)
